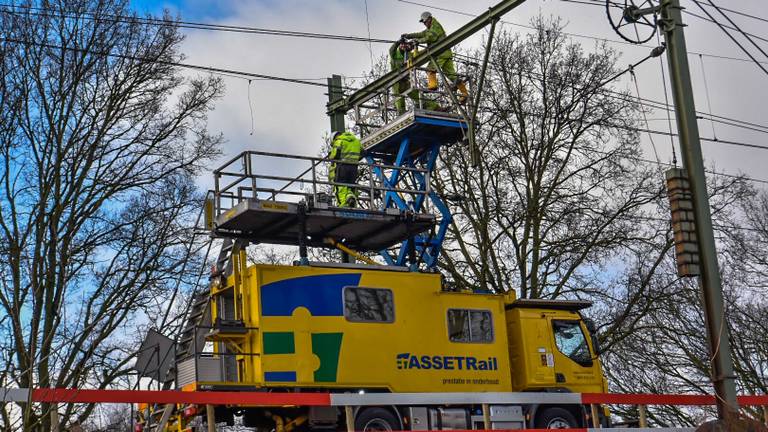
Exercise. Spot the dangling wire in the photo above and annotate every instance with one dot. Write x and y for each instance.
(645, 117)
(666, 106)
(368, 24)
(250, 105)
(709, 103)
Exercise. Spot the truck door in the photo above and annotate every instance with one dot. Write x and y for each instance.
(575, 367)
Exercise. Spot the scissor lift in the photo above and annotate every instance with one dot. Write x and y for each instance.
(411, 143)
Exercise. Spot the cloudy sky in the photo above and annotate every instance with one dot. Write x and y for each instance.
(291, 118)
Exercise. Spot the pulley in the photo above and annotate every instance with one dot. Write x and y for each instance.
(633, 20)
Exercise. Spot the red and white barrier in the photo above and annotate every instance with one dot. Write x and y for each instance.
(366, 399)
(354, 399)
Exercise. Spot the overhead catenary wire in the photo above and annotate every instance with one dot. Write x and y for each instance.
(666, 106)
(215, 70)
(43, 12)
(664, 78)
(313, 35)
(714, 21)
(743, 33)
(577, 35)
(706, 92)
(247, 75)
(723, 28)
(744, 14)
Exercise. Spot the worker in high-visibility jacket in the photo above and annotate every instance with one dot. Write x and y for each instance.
(444, 60)
(345, 153)
(398, 55)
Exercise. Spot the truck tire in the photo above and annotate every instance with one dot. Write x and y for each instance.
(376, 419)
(555, 418)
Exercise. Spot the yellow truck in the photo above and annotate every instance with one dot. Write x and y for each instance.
(367, 330)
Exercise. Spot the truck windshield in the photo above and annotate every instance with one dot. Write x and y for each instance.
(570, 340)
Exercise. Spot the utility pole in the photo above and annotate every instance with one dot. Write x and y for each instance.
(336, 94)
(723, 377)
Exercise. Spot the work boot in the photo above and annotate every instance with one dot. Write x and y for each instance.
(464, 92)
(432, 80)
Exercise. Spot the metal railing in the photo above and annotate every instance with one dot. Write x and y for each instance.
(238, 180)
(376, 110)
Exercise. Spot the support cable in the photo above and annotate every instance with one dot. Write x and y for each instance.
(577, 35)
(744, 14)
(47, 12)
(214, 70)
(706, 92)
(250, 105)
(666, 104)
(663, 106)
(368, 25)
(645, 117)
(743, 33)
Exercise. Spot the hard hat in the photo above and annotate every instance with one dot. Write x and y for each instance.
(425, 16)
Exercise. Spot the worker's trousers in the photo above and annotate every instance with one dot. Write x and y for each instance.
(346, 196)
(399, 90)
(449, 70)
(446, 65)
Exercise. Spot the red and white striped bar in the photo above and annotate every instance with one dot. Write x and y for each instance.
(354, 399)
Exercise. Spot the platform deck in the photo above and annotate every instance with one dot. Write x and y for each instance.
(276, 222)
(423, 128)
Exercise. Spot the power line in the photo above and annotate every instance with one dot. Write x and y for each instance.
(667, 107)
(712, 20)
(47, 12)
(250, 75)
(717, 173)
(290, 33)
(585, 2)
(743, 14)
(723, 57)
(215, 70)
(722, 27)
(736, 27)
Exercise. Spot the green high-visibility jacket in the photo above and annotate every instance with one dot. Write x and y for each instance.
(346, 148)
(431, 36)
(396, 56)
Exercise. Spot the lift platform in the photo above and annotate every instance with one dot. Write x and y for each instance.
(254, 201)
(422, 128)
(281, 222)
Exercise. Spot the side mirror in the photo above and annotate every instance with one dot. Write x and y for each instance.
(592, 328)
(589, 323)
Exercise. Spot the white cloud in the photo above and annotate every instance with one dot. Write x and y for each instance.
(290, 118)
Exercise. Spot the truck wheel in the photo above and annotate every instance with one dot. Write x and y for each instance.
(376, 419)
(555, 418)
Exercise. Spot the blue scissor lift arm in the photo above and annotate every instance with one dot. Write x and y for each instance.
(411, 145)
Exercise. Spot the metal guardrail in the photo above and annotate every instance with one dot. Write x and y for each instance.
(376, 110)
(238, 180)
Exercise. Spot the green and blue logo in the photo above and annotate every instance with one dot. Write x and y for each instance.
(321, 296)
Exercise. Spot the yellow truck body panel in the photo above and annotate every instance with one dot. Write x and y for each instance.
(353, 328)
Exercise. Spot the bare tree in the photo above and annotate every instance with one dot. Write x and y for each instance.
(664, 350)
(559, 188)
(101, 138)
